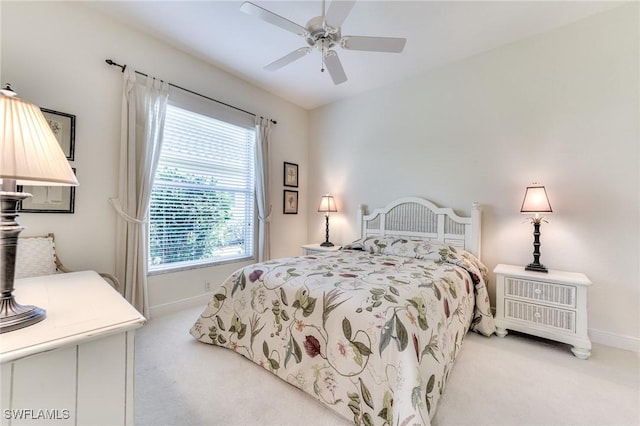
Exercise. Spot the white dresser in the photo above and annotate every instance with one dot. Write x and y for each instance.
(552, 305)
(77, 366)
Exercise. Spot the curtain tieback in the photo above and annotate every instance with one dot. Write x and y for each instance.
(268, 217)
(118, 207)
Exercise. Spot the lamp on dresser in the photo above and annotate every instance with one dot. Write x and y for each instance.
(536, 201)
(327, 205)
(29, 155)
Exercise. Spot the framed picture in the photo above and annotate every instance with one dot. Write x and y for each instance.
(290, 174)
(64, 129)
(290, 202)
(48, 199)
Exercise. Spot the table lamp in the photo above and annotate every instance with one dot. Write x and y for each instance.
(536, 202)
(29, 155)
(327, 204)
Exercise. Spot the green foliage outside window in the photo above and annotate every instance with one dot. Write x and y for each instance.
(190, 219)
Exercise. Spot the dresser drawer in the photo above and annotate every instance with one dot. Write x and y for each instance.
(539, 291)
(541, 315)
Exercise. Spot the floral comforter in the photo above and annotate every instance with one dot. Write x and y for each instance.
(371, 332)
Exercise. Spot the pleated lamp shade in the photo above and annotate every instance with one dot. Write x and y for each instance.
(29, 151)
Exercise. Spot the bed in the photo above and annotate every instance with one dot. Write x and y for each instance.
(372, 330)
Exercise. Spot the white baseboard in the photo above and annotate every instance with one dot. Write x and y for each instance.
(628, 343)
(606, 338)
(170, 308)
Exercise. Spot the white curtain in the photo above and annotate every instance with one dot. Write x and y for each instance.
(144, 106)
(263, 184)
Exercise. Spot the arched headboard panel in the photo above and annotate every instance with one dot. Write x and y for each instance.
(417, 217)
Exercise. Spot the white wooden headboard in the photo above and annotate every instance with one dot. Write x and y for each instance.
(417, 217)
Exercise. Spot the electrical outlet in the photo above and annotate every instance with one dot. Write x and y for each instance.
(207, 286)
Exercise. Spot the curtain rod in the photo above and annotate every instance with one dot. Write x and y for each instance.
(123, 67)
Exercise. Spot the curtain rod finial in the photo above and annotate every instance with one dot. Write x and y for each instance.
(111, 62)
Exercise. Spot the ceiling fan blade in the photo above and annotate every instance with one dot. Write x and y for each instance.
(270, 17)
(287, 59)
(373, 44)
(334, 66)
(338, 12)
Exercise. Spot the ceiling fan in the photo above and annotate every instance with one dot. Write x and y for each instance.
(323, 33)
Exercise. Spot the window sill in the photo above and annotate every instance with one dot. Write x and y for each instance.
(191, 266)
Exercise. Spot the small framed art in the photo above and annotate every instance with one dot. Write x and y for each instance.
(290, 202)
(48, 199)
(290, 174)
(63, 127)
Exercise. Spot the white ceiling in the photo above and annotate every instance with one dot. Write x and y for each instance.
(437, 32)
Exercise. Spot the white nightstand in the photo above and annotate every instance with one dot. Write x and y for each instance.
(552, 305)
(317, 248)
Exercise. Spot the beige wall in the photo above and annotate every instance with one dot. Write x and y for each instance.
(560, 108)
(53, 54)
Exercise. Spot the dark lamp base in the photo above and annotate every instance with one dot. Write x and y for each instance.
(326, 244)
(536, 267)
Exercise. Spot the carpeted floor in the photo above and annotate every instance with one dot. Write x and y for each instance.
(517, 380)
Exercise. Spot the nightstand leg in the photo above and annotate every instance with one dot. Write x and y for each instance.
(581, 353)
(501, 332)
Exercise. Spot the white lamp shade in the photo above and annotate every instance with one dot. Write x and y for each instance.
(327, 204)
(535, 200)
(29, 151)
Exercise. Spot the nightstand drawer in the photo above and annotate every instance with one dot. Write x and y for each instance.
(541, 315)
(538, 291)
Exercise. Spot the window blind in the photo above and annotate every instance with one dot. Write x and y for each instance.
(202, 202)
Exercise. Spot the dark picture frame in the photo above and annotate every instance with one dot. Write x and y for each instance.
(48, 199)
(290, 202)
(63, 126)
(290, 174)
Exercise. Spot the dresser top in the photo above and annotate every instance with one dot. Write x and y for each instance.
(563, 277)
(80, 306)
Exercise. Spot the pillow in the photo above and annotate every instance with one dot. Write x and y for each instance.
(356, 245)
(425, 249)
(433, 250)
(402, 246)
(420, 248)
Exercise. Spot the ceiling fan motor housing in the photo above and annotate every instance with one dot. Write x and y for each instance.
(321, 36)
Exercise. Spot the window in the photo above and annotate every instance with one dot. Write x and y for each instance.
(202, 202)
